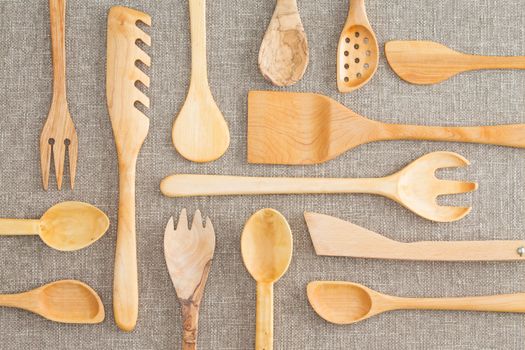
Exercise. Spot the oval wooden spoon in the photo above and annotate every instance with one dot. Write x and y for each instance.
(66, 226)
(266, 247)
(66, 301)
(357, 52)
(427, 62)
(200, 133)
(346, 303)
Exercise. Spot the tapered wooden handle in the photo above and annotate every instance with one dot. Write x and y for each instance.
(190, 323)
(199, 74)
(493, 303)
(57, 9)
(13, 227)
(125, 283)
(495, 62)
(264, 315)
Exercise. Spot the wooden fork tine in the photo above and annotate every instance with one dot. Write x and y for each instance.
(45, 161)
(73, 157)
(183, 221)
(455, 187)
(449, 213)
(59, 155)
(197, 219)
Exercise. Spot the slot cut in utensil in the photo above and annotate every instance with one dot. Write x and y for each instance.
(428, 62)
(335, 237)
(306, 128)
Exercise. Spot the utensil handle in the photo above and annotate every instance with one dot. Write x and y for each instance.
(512, 135)
(216, 185)
(493, 303)
(57, 9)
(199, 73)
(125, 283)
(190, 324)
(356, 13)
(19, 227)
(19, 301)
(495, 62)
(264, 315)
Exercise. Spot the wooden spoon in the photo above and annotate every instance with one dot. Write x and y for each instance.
(346, 303)
(305, 128)
(335, 237)
(283, 56)
(357, 52)
(266, 247)
(66, 301)
(200, 133)
(66, 226)
(427, 62)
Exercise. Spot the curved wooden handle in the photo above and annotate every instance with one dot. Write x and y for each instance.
(57, 10)
(264, 315)
(125, 283)
(22, 227)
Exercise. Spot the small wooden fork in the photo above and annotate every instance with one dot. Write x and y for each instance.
(59, 131)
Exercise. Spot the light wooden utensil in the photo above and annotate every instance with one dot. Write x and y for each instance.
(266, 247)
(189, 253)
(59, 131)
(305, 128)
(415, 187)
(346, 302)
(336, 237)
(66, 301)
(427, 62)
(357, 52)
(283, 56)
(200, 133)
(66, 226)
(130, 128)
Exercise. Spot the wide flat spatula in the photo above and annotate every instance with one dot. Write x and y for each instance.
(336, 237)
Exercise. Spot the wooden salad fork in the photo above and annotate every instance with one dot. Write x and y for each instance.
(59, 131)
(415, 187)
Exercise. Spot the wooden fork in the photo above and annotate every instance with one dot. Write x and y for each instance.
(415, 187)
(59, 131)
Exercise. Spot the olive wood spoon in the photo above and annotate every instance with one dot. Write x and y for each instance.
(346, 302)
(66, 301)
(427, 62)
(266, 247)
(283, 56)
(306, 128)
(66, 226)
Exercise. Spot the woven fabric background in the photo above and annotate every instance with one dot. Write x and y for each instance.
(235, 30)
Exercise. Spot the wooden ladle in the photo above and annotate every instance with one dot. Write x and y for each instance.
(266, 247)
(283, 56)
(306, 128)
(66, 226)
(346, 303)
(66, 301)
(427, 62)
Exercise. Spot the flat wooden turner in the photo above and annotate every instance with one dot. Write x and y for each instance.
(335, 237)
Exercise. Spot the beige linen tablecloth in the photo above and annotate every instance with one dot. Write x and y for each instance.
(235, 31)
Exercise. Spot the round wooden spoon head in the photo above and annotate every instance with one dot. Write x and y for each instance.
(71, 226)
(266, 245)
(69, 301)
(357, 52)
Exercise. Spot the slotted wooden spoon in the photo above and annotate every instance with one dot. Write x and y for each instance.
(306, 128)
(357, 52)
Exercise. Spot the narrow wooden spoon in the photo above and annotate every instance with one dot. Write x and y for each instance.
(283, 56)
(66, 226)
(357, 52)
(346, 302)
(200, 133)
(427, 62)
(66, 301)
(305, 128)
(266, 247)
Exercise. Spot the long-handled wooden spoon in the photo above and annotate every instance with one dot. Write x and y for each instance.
(306, 128)
(66, 301)
(188, 254)
(427, 62)
(66, 226)
(346, 302)
(266, 247)
(283, 56)
(200, 133)
(415, 187)
(357, 52)
(335, 237)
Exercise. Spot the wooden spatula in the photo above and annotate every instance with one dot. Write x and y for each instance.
(306, 128)
(335, 237)
(427, 62)
(188, 254)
